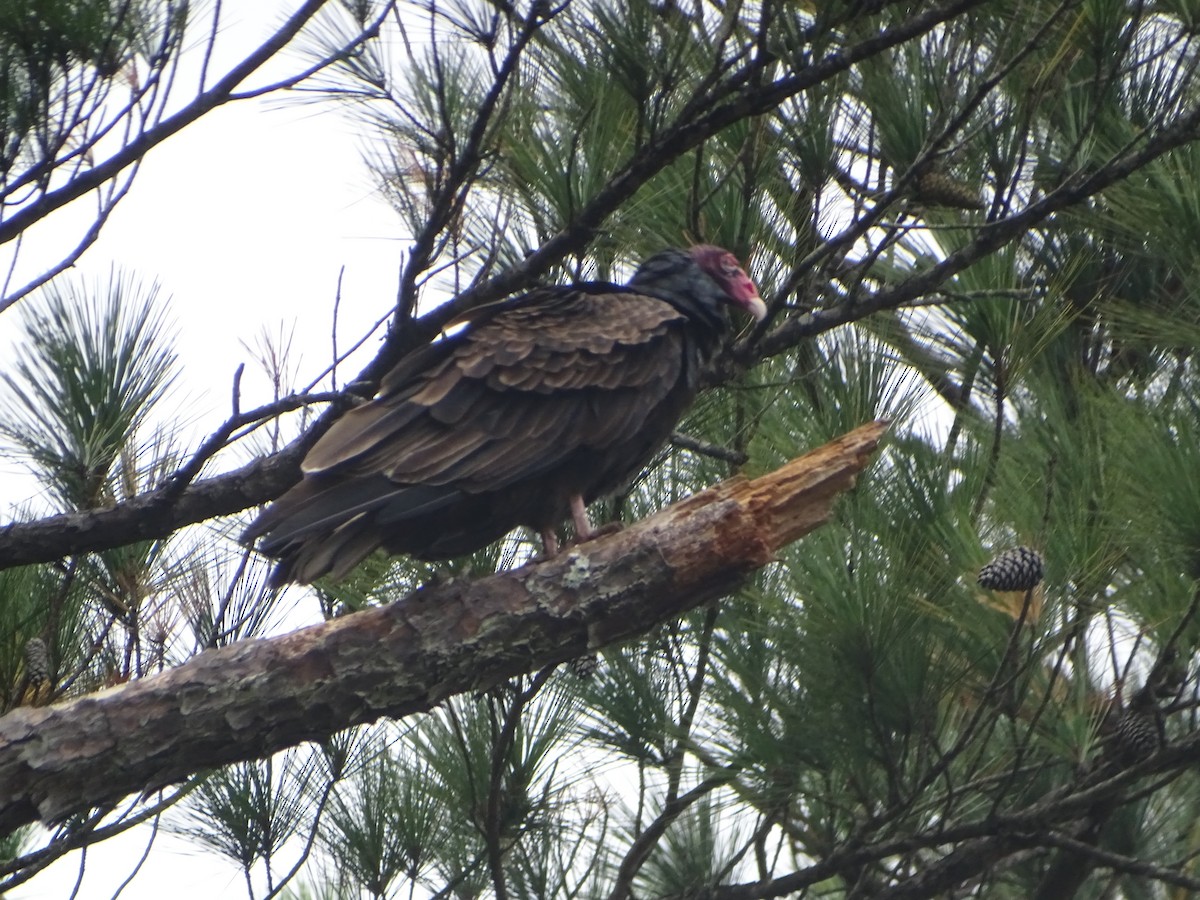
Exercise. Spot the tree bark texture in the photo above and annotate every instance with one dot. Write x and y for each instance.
(256, 697)
(154, 514)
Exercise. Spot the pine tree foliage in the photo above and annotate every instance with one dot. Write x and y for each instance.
(93, 363)
(244, 813)
(977, 220)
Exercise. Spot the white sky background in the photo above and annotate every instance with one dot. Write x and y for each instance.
(245, 218)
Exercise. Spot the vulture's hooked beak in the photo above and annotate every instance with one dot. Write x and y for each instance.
(754, 305)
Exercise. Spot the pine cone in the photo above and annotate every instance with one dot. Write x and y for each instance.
(936, 188)
(1019, 569)
(585, 666)
(1137, 735)
(37, 662)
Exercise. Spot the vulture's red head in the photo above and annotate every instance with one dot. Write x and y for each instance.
(724, 268)
(703, 282)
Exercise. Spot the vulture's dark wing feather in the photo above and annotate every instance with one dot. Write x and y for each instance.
(517, 393)
(562, 391)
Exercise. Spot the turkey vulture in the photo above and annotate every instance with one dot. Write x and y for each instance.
(539, 405)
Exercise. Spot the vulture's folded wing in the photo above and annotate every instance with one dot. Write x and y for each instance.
(516, 394)
(561, 392)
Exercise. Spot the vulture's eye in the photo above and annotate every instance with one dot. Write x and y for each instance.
(729, 267)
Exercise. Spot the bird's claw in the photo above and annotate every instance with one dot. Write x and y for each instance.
(602, 531)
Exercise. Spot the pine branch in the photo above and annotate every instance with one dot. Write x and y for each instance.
(23, 868)
(648, 839)
(991, 237)
(979, 845)
(220, 438)
(1069, 868)
(464, 166)
(1118, 862)
(500, 754)
(154, 514)
(740, 97)
(257, 697)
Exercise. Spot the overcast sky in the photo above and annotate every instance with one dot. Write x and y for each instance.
(245, 218)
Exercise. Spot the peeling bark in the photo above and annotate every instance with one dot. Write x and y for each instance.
(256, 697)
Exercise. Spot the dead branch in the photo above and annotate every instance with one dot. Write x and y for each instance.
(256, 697)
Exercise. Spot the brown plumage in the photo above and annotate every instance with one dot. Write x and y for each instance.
(539, 405)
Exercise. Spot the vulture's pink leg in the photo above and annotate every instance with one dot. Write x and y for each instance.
(583, 528)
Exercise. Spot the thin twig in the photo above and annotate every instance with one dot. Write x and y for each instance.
(640, 849)
(309, 843)
(500, 751)
(220, 438)
(236, 392)
(25, 867)
(141, 859)
(707, 448)
(333, 330)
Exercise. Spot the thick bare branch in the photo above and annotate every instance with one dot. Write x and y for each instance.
(155, 514)
(256, 697)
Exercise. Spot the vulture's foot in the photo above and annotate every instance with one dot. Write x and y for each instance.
(593, 533)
